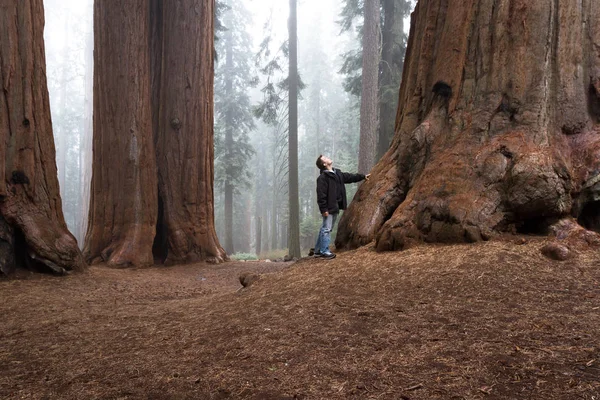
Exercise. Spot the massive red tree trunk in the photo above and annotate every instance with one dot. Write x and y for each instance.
(123, 205)
(497, 127)
(152, 189)
(32, 227)
(185, 136)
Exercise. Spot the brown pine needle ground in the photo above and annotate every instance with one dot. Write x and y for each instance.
(492, 320)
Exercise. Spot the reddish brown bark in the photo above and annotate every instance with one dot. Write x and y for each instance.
(123, 206)
(32, 227)
(185, 137)
(514, 147)
(152, 190)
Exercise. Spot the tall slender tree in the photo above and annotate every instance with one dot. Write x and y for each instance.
(369, 117)
(393, 49)
(493, 134)
(391, 59)
(33, 232)
(294, 201)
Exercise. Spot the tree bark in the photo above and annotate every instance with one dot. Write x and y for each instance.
(185, 147)
(294, 202)
(497, 126)
(152, 189)
(86, 150)
(32, 226)
(123, 205)
(370, 88)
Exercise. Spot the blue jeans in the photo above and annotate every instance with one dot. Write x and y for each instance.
(324, 237)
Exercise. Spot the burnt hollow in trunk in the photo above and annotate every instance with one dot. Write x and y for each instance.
(160, 248)
(589, 217)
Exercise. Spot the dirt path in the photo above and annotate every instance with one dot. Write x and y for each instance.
(488, 321)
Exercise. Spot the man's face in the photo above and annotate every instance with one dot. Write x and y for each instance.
(326, 161)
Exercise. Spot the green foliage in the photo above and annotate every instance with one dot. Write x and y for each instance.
(352, 69)
(352, 17)
(244, 257)
(353, 10)
(233, 109)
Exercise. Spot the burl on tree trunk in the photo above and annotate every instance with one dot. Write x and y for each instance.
(497, 127)
(33, 232)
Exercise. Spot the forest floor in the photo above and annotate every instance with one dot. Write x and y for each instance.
(492, 320)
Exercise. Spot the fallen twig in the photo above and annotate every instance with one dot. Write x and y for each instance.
(415, 387)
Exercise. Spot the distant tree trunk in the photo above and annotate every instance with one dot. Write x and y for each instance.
(392, 55)
(247, 216)
(258, 235)
(283, 235)
(33, 232)
(294, 202)
(123, 206)
(274, 219)
(497, 127)
(369, 93)
(185, 147)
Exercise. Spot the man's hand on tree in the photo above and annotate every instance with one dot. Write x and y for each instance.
(367, 177)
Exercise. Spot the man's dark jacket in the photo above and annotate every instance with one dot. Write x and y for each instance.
(331, 189)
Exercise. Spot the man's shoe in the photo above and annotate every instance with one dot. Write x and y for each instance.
(311, 252)
(328, 256)
(317, 255)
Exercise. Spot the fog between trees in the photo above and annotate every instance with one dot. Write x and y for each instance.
(251, 148)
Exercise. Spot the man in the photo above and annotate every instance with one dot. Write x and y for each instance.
(331, 197)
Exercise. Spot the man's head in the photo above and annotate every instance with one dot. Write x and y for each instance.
(324, 162)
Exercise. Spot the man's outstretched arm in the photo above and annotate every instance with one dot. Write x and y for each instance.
(353, 178)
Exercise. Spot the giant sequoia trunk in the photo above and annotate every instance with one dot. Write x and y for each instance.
(123, 206)
(152, 185)
(33, 232)
(185, 137)
(497, 127)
